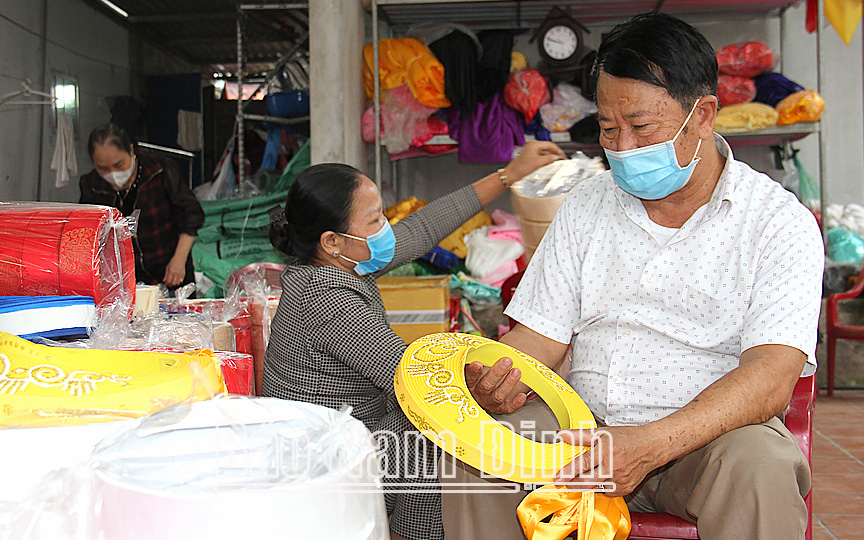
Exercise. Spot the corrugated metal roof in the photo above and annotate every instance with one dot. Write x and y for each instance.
(203, 32)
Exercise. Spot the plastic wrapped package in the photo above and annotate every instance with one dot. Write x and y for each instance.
(67, 249)
(537, 197)
(803, 106)
(732, 90)
(844, 246)
(45, 386)
(746, 59)
(566, 108)
(489, 260)
(527, 91)
(222, 469)
(236, 369)
(745, 117)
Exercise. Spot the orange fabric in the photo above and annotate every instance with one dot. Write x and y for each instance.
(406, 60)
(594, 515)
(426, 81)
(803, 106)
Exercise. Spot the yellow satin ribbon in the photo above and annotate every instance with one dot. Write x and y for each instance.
(594, 515)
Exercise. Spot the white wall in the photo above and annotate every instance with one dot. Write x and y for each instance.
(82, 43)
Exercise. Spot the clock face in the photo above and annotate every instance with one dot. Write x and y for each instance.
(560, 42)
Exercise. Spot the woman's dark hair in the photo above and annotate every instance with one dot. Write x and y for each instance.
(660, 50)
(318, 201)
(109, 134)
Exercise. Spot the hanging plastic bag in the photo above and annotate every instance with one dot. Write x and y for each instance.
(527, 91)
(567, 107)
(746, 59)
(808, 189)
(803, 106)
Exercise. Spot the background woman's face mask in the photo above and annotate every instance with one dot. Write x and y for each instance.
(119, 178)
(652, 172)
(382, 247)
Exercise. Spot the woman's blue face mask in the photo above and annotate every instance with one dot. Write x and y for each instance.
(652, 172)
(382, 247)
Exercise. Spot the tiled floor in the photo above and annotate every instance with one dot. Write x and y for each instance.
(838, 466)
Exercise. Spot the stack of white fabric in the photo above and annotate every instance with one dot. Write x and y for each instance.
(850, 216)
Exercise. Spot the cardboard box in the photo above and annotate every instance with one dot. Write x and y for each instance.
(416, 305)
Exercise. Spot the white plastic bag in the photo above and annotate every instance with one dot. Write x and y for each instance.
(486, 254)
(559, 177)
(567, 107)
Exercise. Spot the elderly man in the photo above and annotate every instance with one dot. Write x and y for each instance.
(688, 285)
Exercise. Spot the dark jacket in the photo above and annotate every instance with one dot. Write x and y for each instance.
(167, 208)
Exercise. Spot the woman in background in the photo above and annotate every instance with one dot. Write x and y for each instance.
(330, 342)
(170, 215)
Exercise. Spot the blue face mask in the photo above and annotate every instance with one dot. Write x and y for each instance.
(382, 246)
(652, 172)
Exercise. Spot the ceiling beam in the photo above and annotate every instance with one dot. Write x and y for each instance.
(181, 17)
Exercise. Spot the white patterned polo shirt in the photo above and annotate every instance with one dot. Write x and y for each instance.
(653, 325)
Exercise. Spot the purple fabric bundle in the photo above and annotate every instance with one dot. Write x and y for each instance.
(488, 133)
(772, 87)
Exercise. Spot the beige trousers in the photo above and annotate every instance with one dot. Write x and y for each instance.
(747, 484)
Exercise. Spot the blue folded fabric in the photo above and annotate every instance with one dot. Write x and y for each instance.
(47, 316)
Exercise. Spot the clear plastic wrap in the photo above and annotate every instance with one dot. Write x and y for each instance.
(559, 177)
(746, 59)
(527, 91)
(67, 249)
(567, 107)
(486, 256)
(803, 106)
(732, 90)
(224, 468)
(46, 386)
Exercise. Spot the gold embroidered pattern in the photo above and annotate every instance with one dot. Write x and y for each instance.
(440, 380)
(77, 383)
(75, 247)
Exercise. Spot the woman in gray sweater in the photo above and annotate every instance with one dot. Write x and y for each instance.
(330, 342)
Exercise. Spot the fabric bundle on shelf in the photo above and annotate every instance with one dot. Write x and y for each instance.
(66, 249)
(493, 70)
(406, 61)
(489, 133)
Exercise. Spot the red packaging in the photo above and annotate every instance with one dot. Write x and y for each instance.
(66, 249)
(732, 90)
(527, 91)
(745, 59)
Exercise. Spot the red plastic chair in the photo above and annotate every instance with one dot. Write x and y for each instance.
(834, 330)
(799, 420)
(270, 271)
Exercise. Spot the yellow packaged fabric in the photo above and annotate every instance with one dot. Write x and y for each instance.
(745, 117)
(50, 386)
(844, 16)
(396, 57)
(517, 61)
(803, 106)
(402, 209)
(455, 241)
